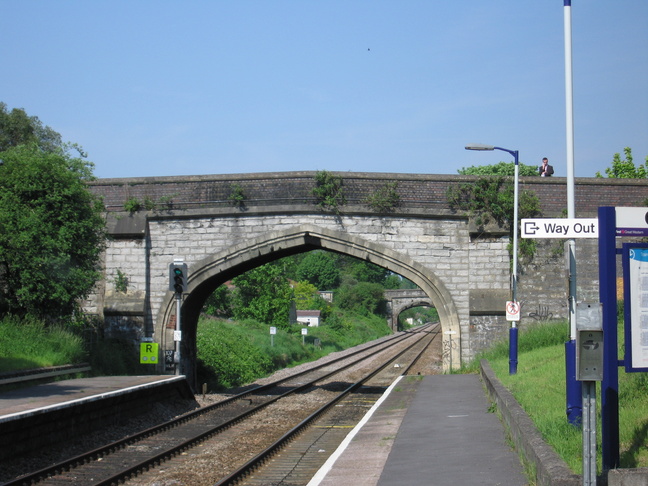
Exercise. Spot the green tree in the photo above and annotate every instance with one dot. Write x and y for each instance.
(51, 230)
(320, 269)
(305, 294)
(307, 298)
(263, 294)
(364, 271)
(500, 169)
(393, 281)
(364, 298)
(18, 128)
(625, 169)
(219, 303)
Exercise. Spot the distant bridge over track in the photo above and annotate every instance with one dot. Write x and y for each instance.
(224, 225)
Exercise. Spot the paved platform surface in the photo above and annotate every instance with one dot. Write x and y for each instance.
(67, 392)
(432, 430)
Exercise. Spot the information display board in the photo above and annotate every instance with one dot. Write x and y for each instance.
(635, 271)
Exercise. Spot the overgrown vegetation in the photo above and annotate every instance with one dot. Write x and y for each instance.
(121, 282)
(500, 169)
(386, 198)
(263, 297)
(328, 191)
(27, 343)
(237, 196)
(133, 204)
(491, 199)
(232, 353)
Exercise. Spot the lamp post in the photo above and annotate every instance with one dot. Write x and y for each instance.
(513, 332)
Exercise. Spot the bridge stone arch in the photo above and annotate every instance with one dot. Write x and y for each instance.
(464, 269)
(212, 271)
(401, 300)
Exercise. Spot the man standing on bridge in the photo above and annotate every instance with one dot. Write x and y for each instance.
(545, 170)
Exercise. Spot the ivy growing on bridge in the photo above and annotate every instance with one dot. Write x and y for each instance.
(328, 191)
(490, 199)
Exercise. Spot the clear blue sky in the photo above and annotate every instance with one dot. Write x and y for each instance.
(158, 87)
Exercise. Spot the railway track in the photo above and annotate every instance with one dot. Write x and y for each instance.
(300, 453)
(115, 462)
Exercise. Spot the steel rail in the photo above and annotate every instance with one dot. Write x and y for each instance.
(271, 450)
(422, 352)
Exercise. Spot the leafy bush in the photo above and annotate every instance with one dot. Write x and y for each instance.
(364, 298)
(237, 196)
(626, 169)
(328, 191)
(132, 205)
(491, 198)
(263, 294)
(234, 353)
(52, 232)
(502, 169)
(385, 199)
(320, 269)
(227, 356)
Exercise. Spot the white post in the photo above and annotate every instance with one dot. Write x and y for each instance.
(569, 124)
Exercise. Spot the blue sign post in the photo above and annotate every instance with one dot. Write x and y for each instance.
(615, 222)
(610, 383)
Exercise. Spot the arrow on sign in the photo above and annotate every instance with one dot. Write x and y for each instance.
(530, 228)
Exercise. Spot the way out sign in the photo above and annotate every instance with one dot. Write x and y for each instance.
(512, 311)
(560, 228)
(149, 353)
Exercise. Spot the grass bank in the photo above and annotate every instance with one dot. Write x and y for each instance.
(539, 387)
(234, 353)
(27, 343)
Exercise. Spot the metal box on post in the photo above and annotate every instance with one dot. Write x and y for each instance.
(589, 341)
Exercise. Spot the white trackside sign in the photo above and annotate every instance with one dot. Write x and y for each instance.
(560, 228)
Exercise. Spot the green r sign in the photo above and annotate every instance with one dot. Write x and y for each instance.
(149, 353)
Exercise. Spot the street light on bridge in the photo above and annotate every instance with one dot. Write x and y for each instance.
(513, 332)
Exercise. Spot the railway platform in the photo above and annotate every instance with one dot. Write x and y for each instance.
(39, 415)
(434, 430)
(62, 394)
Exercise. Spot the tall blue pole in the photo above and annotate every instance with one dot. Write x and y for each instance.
(513, 331)
(513, 347)
(610, 382)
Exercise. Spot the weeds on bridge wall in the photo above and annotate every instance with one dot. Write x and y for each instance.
(386, 199)
(237, 196)
(133, 204)
(121, 282)
(328, 191)
(491, 198)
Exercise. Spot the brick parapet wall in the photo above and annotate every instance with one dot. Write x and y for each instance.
(415, 190)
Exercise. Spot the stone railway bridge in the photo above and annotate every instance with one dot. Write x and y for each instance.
(463, 272)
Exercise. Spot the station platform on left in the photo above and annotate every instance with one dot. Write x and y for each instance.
(46, 414)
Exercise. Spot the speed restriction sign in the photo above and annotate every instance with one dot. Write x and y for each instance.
(512, 311)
